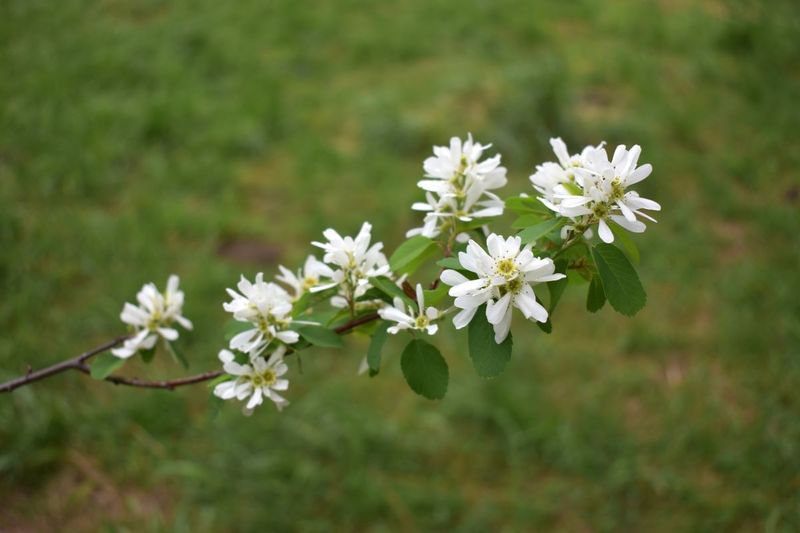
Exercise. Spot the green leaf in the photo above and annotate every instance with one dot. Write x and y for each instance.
(301, 304)
(578, 277)
(177, 354)
(620, 282)
(433, 297)
(217, 380)
(576, 252)
(310, 299)
(148, 355)
(579, 259)
(390, 288)
(475, 223)
(374, 294)
(450, 262)
(526, 221)
(624, 238)
(324, 317)
(547, 327)
(523, 205)
(411, 254)
(299, 346)
(215, 406)
(343, 317)
(488, 357)
(234, 327)
(425, 369)
(537, 231)
(596, 298)
(104, 364)
(375, 348)
(319, 336)
(556, 288)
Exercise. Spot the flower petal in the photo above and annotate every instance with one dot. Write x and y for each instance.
(453, 277)
(605, 232)
(496, 310)
(464, 317)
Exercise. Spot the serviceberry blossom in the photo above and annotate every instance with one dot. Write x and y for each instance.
(593, 189)
(153, 317)
(257, 380)
(604, 194)
(267, 307)
(458, 186)
(505, 275)
(355, 262)
(313, 273)
(410, 317)
(553, 178)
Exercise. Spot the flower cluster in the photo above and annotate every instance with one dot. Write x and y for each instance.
(490, 276)
(458, 187)
(354, 261)
(153, 317)
(267, 307)
(504, 278)
(348, 265)
(589, 189)
(549, 175)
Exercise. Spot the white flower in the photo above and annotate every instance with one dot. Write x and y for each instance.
(356, 262)
(461, 162)
(349, 253)
(603, 193)
(153, 317)
(313, 273)
(268, 307)
(549, 176)
(505, 275)
(458, 186)
(474, 204)
(257, 380)
(408, 317)
(590, 189)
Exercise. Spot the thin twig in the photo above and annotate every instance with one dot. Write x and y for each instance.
(355, 323)
(79, 363)
(168, 384)
(63, 366)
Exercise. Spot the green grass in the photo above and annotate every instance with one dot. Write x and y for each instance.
(138, 138)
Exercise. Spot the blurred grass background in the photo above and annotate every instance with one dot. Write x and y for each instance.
(209, 139)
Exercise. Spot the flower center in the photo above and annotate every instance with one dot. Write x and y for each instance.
(513, 286)
(600, 210)
(462, 165)
(617, 189)
(421, 322)
(506, 267)
(265, 379)
(156, 321)
(309, 282)
(264, 322)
